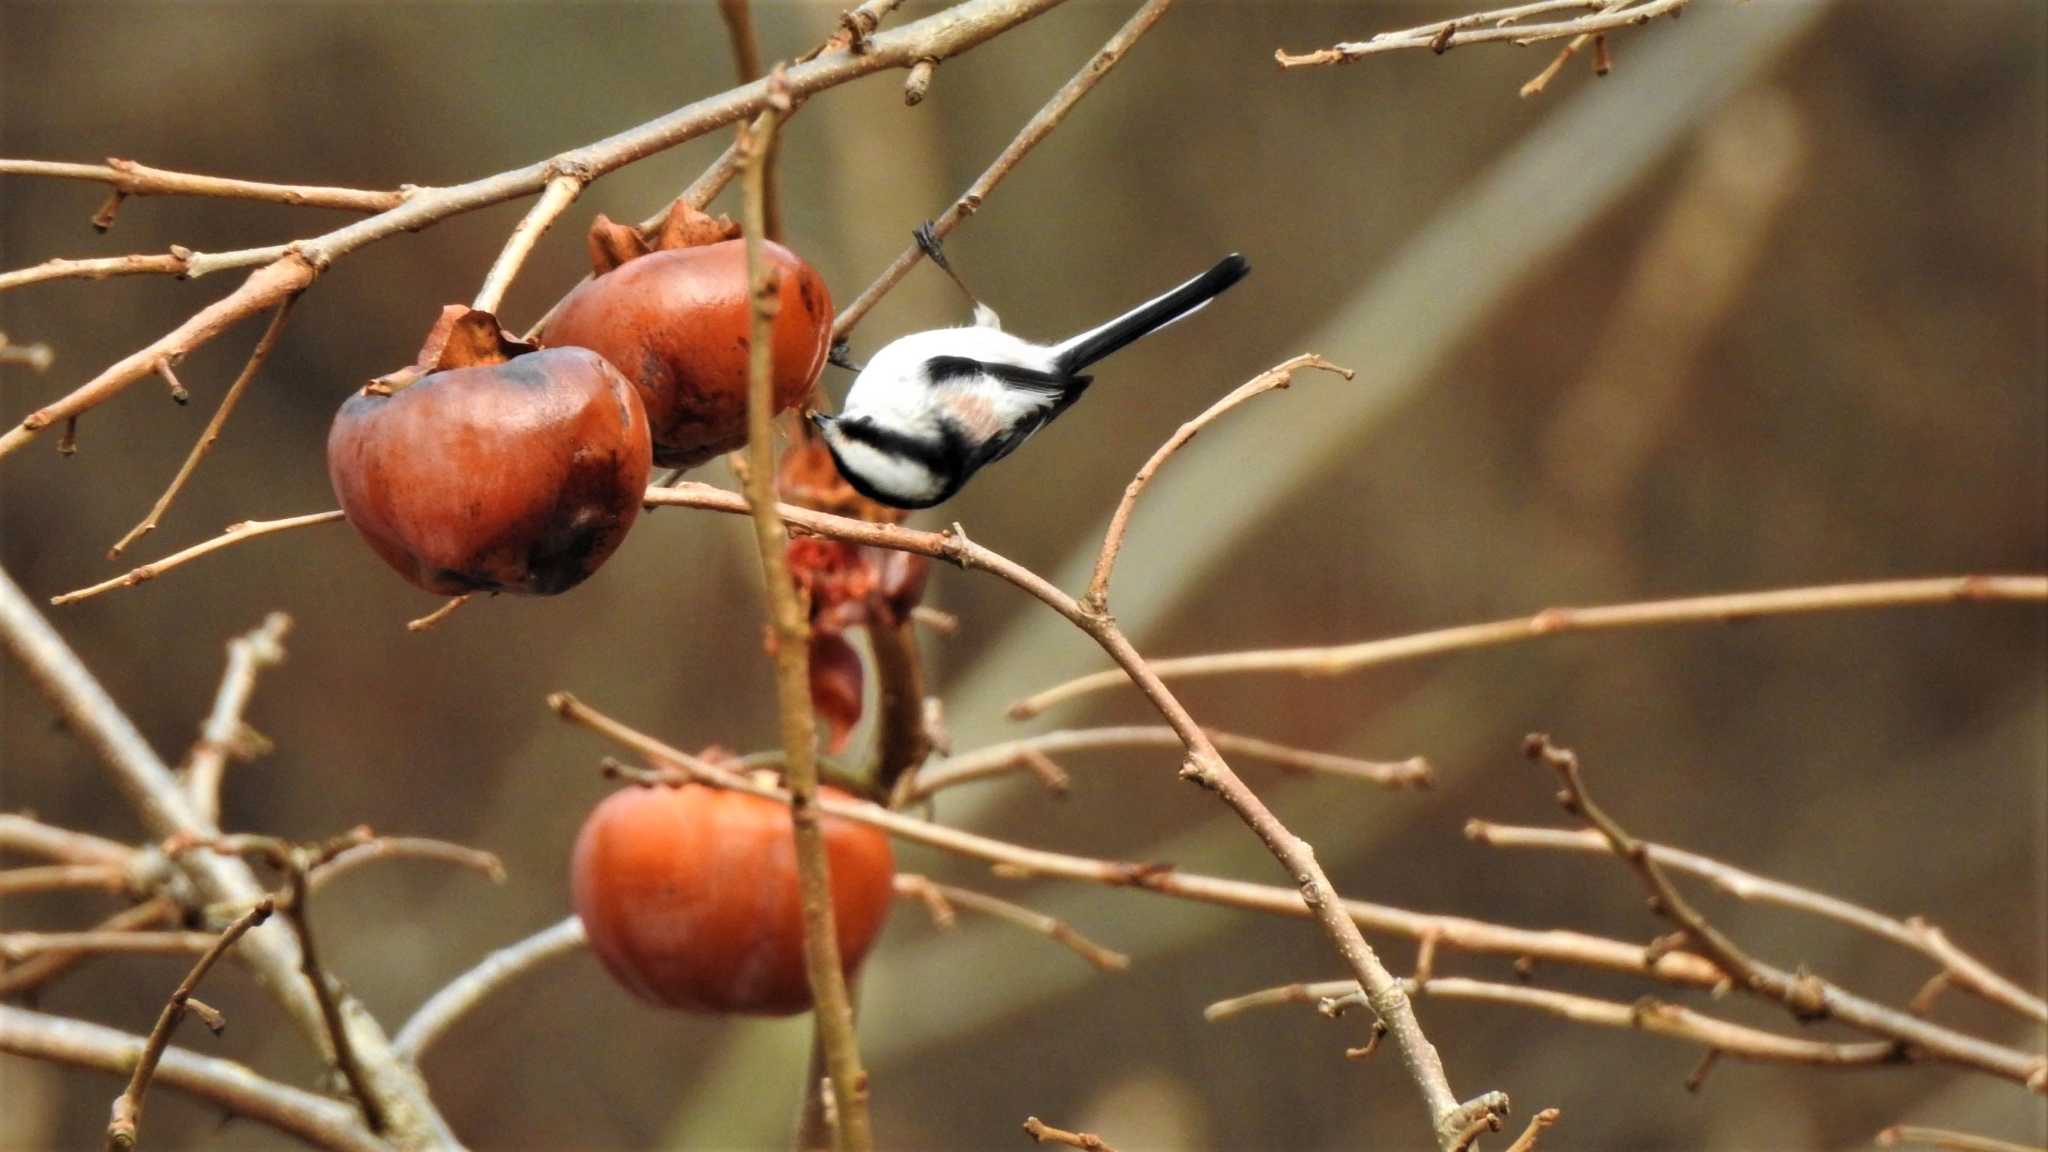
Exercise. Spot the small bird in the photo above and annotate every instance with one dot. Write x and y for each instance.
(933, 408)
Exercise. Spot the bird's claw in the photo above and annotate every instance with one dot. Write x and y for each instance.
(929, 243)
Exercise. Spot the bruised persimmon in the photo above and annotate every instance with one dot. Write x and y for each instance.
(689, 896)
(491, 465)
(674, 317)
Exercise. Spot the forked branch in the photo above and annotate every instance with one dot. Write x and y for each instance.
(1499, 25)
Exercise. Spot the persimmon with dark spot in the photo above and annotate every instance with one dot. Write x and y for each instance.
(673, 315)
(689, 896)
(491, 465)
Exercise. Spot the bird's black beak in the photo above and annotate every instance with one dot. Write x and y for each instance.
(819, 420)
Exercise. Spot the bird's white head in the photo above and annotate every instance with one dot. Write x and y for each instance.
(885, 465)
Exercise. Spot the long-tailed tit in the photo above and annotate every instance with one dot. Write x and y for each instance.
(932, 408)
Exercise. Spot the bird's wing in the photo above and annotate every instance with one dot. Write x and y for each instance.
(960, 369)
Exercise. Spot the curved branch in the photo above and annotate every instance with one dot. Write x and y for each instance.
(126, 1125)
(1278, 376)
(461, 995)
(317, 1120)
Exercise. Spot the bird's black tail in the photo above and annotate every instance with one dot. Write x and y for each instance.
(1150, 317)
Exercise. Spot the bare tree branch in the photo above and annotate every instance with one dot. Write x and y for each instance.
(1944, 1138)
(998, 759)
(1279, 376)
(1727, 608)
(128, 178)
(234, 534)
(1805, 995)
(320, 1122)
(1043, 1133)
(941, 899)
(460, 996)
(124, 1128)
(833, 1007)
(1492, 27)
(224, 734)
(1962, 968)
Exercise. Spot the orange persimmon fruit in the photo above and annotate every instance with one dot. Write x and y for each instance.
(689, 896)
(490, 465)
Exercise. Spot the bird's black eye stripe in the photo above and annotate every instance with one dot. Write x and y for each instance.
(936, 458)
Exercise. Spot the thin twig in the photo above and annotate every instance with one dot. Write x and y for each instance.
(1279, 376)
(128, 178)
(561, 191)
(1564, 55)
(224, 734)
(827, 980)
(434, 618)
(1737, 1041)
(19, 946)
(36, 357)
(1960, 967)
(941, 35)
(234, 534)
(940, 899)
(212, 432)
(1948, 1139)
(746, 59)
(179, 393)
(1027, 138)
(32, 837)
(1489, 27)
(746, 49)
(1727, 608)
(59, 877)
(1538, 1123)
(382, 848)
(34, 973)
(1043, 1133)
(180, 262)
(461, 995)
(1805, 995)
(998, 759)
(124, 1126)
(918, 83)
(236, 1088)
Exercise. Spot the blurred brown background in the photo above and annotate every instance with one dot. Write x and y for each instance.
(1765, 307)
